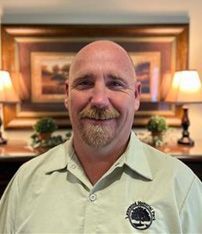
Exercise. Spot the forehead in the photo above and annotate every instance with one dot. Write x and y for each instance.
(104, 56)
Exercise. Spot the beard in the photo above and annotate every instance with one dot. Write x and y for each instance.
(101, 131)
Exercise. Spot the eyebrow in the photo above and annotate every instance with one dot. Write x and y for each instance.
(116, 77)
(84, 76)
(81, 78)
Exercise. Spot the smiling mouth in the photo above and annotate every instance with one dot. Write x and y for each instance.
(99, 119)
(99, 115)
(96, 121)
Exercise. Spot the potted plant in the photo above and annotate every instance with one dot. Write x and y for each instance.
(45, 127)
(42, 138)
(157, 126)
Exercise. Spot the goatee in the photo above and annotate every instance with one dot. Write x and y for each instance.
(98, 134)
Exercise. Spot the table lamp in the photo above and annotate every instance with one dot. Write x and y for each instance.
(186, 88)
(7, 95)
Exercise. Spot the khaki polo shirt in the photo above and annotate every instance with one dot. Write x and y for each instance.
(145, 191)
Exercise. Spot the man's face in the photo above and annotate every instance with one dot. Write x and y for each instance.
(102, 95)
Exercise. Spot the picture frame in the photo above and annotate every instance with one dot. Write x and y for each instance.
(157, 50)
(147, 67)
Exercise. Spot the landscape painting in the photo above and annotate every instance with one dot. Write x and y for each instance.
(147, 67)
(49, 71)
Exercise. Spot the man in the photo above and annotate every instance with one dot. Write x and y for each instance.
(104, 180)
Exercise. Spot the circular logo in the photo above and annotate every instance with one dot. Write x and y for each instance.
(140, 215)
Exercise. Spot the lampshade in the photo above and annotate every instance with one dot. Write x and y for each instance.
(7, 92)
(186, 87)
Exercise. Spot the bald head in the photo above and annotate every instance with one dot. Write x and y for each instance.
(98, 50)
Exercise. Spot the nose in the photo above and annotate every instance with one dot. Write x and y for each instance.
(100, 97)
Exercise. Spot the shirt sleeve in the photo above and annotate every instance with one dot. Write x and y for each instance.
(8, 207)
(190, 214)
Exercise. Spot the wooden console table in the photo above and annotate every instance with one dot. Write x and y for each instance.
(15, 153)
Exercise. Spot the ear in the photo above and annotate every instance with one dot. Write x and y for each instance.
(137, 94)
(66, 99)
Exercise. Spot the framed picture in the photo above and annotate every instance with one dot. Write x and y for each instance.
(147, 67)
(49, 70)
(38, 58)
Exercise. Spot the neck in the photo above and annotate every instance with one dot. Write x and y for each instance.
(96, 162)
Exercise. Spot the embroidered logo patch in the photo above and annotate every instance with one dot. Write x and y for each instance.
(140, 215)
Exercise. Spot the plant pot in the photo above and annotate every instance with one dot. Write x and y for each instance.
(40, 150)
(157, 138)
(44, 135)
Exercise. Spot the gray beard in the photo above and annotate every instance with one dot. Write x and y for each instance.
(97, 136)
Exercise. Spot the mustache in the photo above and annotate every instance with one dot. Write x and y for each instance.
(99, 114)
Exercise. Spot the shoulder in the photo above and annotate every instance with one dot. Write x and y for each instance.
(165, 162)
(173, 175)
(169, 168)
(55, 158)
(160, 164)
(35, 174)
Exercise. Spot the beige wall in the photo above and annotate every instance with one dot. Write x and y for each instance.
(195, 62)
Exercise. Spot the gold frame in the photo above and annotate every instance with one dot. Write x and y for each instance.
(19, 39)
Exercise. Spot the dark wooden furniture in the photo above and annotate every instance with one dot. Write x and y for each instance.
(13, 155)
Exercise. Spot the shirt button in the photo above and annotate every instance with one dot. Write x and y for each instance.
(93, 197)
(73, 166)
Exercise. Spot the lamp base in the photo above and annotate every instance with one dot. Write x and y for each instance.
(186, 141)
(2, 140)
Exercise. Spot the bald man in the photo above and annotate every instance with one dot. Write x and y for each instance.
(103, 180)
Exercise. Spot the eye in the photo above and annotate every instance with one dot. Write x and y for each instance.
(116, 84)
(83, 83)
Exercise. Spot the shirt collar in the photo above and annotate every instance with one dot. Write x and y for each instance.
(59, 156)
(135, 157)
